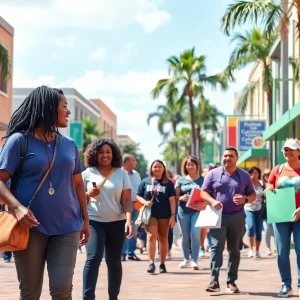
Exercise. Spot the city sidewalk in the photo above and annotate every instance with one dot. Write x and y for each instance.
(258, 279)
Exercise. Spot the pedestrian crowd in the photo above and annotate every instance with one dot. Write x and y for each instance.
(110, 210)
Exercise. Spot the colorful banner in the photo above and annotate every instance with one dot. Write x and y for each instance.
(250, 134)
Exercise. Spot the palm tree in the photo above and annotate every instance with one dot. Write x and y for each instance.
(267, 12)
(90, 131)
(5, 65)
(172, 114)
(187, 82)
(251, 47)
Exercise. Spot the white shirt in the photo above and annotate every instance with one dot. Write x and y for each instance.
(107, 206)
(135, 180)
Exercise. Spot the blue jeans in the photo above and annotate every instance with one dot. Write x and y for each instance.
(254, 223)
(7, 255)
(109, 235)
(189, 232)
(130, 244)
(282, 233)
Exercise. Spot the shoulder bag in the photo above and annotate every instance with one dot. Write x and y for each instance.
(13, 236)
(145, 212)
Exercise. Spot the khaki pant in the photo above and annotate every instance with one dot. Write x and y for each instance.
(59, 252)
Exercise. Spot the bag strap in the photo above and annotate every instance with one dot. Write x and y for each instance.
(154, 190)
(105, 179)
(46, 174)
(23, 151)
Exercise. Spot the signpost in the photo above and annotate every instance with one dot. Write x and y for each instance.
(250, 134)
(76, 133)
(208, 154)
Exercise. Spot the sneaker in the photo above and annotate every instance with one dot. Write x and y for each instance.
(185, 264)
(285, 291)
(213, 287)
(269, 252)
(7, 260)
(257, 255)
(162, 269)
(202, 252)
(250, 254)
(133, 257)
(194, 265)
(232, 288)
(151, 268)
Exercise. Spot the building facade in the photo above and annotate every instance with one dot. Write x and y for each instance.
(79, 106)
(6, 40)
(108, 121)
(124, 140)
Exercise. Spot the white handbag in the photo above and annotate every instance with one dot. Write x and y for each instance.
(145, 212)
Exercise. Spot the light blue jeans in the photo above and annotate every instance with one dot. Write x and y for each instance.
(130, 244)
(189, 233)
(282, 233)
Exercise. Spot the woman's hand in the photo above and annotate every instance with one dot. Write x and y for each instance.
(129, 230)
(26, 217)
(149, 204)
(94, 192)
(199, 205)
(184, 198)
(296, 215)
(172, 221)
(270, 187)
(85, 233)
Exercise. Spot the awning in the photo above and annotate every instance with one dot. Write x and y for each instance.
(253, 154)
(283, 121)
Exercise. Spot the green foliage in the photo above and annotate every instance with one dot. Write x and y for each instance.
(5, 64)
(187, 81)
(141, 162)
(90, 131)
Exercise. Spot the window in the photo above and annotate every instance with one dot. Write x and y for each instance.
(76, 113)
(81, 115)
(3, 83)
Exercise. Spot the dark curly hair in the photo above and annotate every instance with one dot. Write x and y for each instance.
(92, 151)
(250, 171)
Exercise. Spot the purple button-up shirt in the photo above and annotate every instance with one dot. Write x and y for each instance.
(223, 187)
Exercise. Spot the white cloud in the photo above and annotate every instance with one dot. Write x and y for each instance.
(67, 42)
(152, 20)
(99, 54)
(48, 15)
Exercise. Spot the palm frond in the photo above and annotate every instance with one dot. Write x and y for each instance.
(242, 12)
(245, 96)
(161, 84)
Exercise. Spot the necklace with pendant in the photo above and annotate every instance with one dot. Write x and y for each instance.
(51, 190)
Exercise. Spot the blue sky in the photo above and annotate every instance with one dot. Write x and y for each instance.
(116, 50)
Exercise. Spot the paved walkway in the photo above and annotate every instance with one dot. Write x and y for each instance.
(258, 279)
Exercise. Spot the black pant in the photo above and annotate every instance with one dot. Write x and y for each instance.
(109, 236)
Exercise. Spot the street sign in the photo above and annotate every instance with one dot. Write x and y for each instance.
(76, 133)
(250, 134)
(208, 155)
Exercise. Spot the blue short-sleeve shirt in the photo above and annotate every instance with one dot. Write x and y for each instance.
(61, 212)
(223, 187)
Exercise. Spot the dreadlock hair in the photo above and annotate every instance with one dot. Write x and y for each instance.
(40, 107)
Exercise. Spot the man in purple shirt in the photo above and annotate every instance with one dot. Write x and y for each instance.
(230, 187)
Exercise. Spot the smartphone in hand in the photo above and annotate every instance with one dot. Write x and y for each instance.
(94, 184)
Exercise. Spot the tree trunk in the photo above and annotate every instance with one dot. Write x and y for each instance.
(198, 137)
(176, 163)
(193, 127)
(270, 121)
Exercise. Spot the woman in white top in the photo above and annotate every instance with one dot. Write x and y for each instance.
(108, 192)
(253, 212)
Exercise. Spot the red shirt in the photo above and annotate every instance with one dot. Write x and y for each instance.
(286, 178)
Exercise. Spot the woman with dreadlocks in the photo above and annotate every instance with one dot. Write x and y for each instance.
(58, 213)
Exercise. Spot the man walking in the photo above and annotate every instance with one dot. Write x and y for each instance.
(129, 163)
(230, 187)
